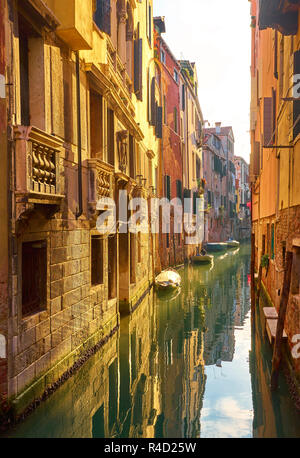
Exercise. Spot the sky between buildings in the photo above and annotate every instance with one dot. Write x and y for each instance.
(215, 34)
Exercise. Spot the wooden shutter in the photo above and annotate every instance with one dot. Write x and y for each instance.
(274, 115)
(195, 197)
(208, 197)
(268, 120)
(153, 104)
(178, 189)
(159, 115)
(102, 16)
(131, 156)
(187, 195)
(138, 68)
(150, 25)
(296, 103)
(256, 159)
(276, 55)
(183, 97)
(168, 187)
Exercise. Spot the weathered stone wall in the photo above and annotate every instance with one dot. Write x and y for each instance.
(287, 230)
(74, 311)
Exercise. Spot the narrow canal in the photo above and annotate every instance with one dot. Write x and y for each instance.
(182, 366)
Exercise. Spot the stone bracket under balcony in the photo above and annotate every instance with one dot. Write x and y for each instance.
(36, 170)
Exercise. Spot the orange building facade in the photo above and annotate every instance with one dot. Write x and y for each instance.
(275, 153)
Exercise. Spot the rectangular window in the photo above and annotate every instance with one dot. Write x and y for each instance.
(150, 24)
(132, 156)
(168, 187)
(97, 260)
(110, 137)
(272, 241)
(268, 120)
(96, 125)
(138, 68)
(179, 189)
(296, 103)
(34, 277)
(24, 75)
(175, 120)
(198, 168)
(102, 16)
(159, 118)
(176, 76)
(163, 56)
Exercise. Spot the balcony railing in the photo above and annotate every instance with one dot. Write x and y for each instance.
(100, 182)
(36, 167)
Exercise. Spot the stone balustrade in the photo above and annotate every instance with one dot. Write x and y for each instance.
(100, 182)
(37, 178)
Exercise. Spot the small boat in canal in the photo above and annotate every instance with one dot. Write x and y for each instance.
(216, 247)
(202, 259)
(233, 244)
(168, 280)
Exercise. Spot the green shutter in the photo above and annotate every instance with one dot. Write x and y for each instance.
(273, 241)
(153, 104)
(168, 187)
(138, 68)
(159, 116)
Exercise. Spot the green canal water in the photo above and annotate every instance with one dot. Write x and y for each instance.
(182, 366)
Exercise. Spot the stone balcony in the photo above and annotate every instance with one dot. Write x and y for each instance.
(100, 183)
(36, 168)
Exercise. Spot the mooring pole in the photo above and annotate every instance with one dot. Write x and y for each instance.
(281, 319)
(263, 250)
(252, 278)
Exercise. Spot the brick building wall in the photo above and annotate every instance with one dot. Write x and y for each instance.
(172, 247)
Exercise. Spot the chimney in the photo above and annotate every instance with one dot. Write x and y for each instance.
(218, 127)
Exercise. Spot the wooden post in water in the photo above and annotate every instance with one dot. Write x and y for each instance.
(281, 319)
(263, 250)
(252, 278)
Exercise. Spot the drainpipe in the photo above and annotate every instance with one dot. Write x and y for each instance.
(79, 209)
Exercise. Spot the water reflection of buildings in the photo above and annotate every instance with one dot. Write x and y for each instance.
(275, 415)
(139, 390)
(226, 300)
(181, 365)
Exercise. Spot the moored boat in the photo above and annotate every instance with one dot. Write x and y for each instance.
(233, 244)
(168, 280)
(202, 259)
(215, 247)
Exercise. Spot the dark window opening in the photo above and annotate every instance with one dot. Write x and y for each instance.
(168, 240)
(24, 75)
(198, 168)
(98, 430)
(102, 16)
(168, 187)
(34, 277)
(131, 156)
(96, 123)
(113, 394)
(110, 137)
(97, 260)
(175, 120)
(112, 272)
(132, 258)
